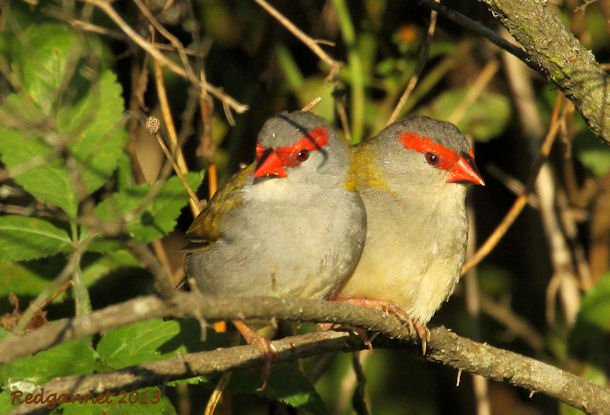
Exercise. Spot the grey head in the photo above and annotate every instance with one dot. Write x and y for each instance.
(300, 146)
(422, 151)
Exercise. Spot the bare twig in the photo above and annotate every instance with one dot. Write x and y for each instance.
(516, 325)
(473, 307)
(421, 62)
(175, 156)
(65, 274)
(358, 399)
(312, 44)
(216, 92)
(475, 90)
(511, 183)
(546, 186)
(480, 29)
(166, 34)
(521, 201)
(153, 125)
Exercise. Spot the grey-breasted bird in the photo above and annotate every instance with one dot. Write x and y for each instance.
(287, 225)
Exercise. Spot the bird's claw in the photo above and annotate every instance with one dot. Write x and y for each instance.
(423, 333)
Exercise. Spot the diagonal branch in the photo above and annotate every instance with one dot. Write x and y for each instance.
(564, 60)
(444, 347)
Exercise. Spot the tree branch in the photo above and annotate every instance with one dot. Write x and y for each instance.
(444, 347)
(565, 61)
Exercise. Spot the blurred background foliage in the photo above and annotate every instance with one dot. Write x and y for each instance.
(75, 91)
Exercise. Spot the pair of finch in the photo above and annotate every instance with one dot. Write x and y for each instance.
(381, 224)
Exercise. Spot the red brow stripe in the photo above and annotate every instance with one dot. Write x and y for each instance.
(317, 138)
(416, 142)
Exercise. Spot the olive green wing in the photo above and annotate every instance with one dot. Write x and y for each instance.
(206, 228)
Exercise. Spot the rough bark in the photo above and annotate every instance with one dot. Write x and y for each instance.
(444, 347)
(561, 57)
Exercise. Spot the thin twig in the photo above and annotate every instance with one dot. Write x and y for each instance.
(217, 393)
(175, 156)
(358, 398)
(512, 184)
(521, 201)
(166, 34)
(477, 88)
(515, 324)
(480, 29)
(153, 125)
(421, 62)
(155, 53)
(312, 44)
(59, 281)
(207, 146)
(473, 307)
(311, 104)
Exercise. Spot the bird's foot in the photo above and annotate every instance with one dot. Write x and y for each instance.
(412, 324)
(263, 345)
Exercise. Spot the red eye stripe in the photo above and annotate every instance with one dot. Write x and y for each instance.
(317, 138)
(415, 142)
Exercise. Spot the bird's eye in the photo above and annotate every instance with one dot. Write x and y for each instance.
(432, 159)
(303, 155)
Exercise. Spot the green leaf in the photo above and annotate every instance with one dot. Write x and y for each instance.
(33, 161)
(48, 52)
(107, 263)
(157, 218)
(23, 238)
(142, 401)
(75, 357)
(592, 153)
(287, 384)
(94, 127)
(591, 334)
(595, 310)
(4, 333)
(61, 112)
(485, 119)
(148, 341)
(6, 402)
(20, 280)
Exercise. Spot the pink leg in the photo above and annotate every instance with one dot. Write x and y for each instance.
(389, 307)
(262, 344)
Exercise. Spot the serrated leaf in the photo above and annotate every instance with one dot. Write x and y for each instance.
(485, 119)
(24, 238)
(147, 341)
(49, 51)
(287, 384)
(94, 126)
(155, 220)
(35, 165)
(75, 357)
(142, 401)
(61, 110)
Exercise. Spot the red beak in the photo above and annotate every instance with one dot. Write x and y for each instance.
(270, 164)
(465, 171)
